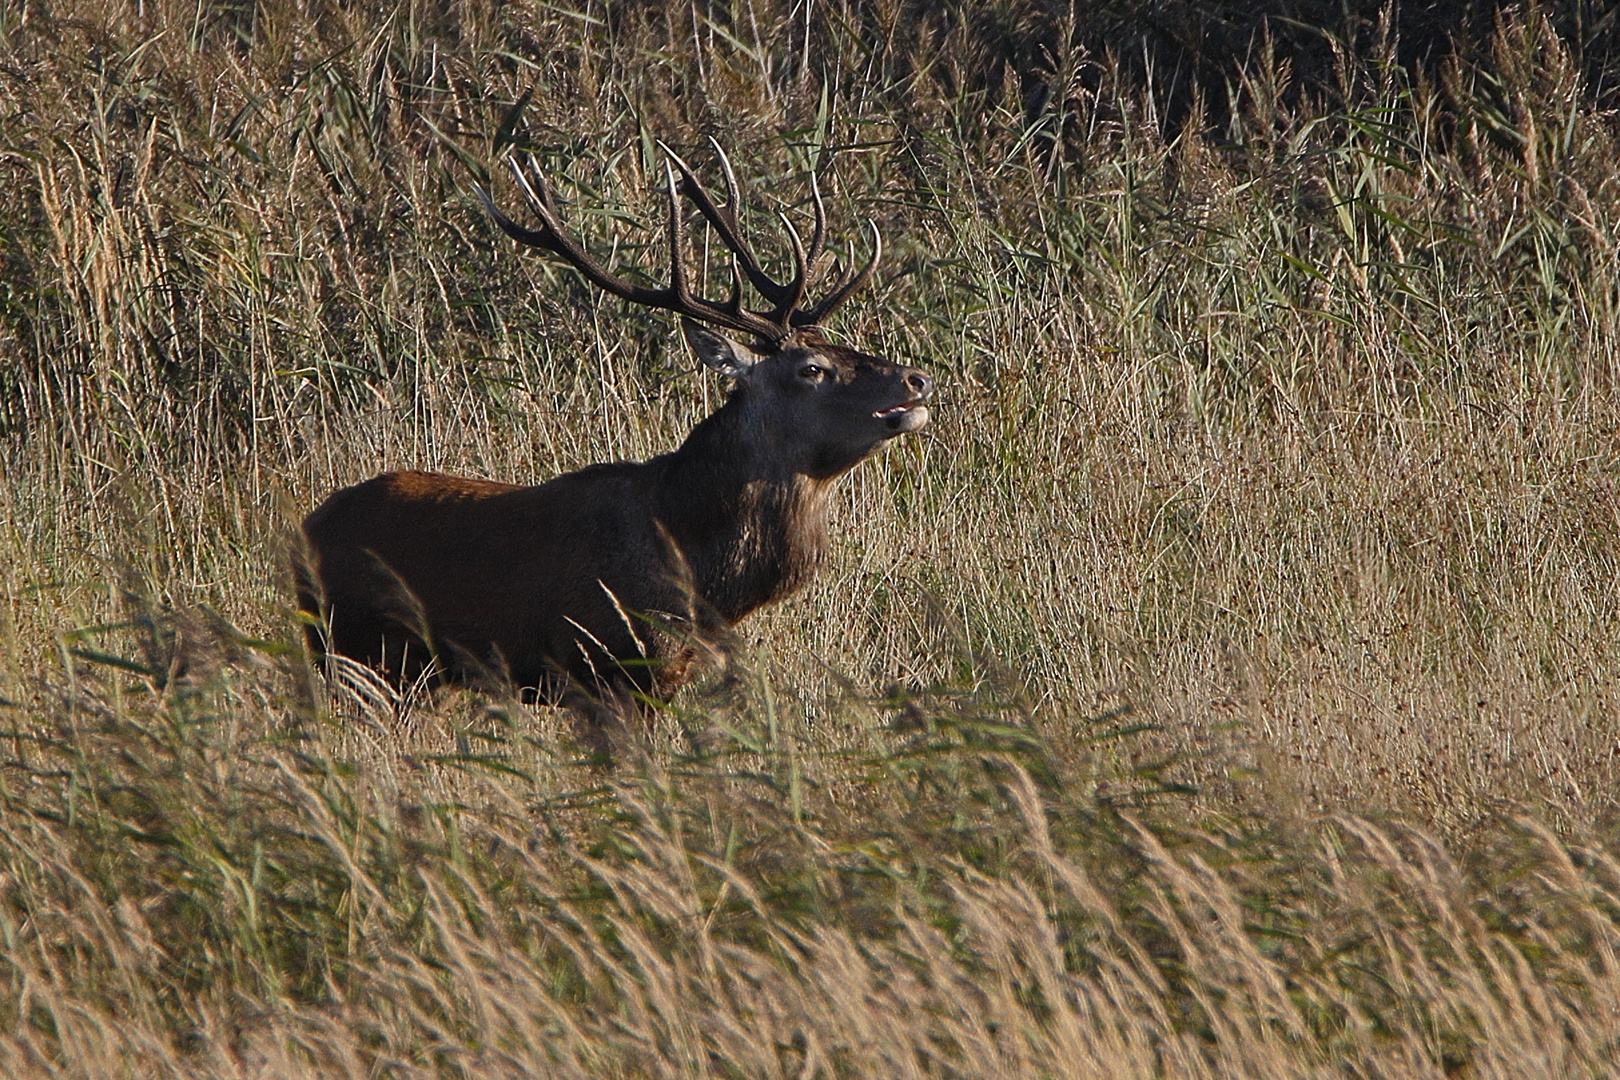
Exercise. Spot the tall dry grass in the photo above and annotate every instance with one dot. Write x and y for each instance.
(213, 880)
(1271, 493)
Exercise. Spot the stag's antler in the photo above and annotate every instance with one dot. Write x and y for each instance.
(773, 325)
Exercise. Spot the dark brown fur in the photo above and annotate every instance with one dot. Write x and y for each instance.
(609, 581)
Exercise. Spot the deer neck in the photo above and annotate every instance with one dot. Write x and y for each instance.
(750, 528)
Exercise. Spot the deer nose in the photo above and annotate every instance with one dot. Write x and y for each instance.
(919, 382)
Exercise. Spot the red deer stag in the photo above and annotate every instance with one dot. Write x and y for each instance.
(600, 585)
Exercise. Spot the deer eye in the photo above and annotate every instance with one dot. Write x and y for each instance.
(812, 373)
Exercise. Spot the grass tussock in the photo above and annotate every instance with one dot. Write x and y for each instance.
(1223, 684)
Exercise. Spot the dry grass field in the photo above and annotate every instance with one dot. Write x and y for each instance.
(1226, 683)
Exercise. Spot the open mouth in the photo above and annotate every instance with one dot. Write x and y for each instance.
(906, 416)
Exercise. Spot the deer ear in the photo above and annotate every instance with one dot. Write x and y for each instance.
(718, 351)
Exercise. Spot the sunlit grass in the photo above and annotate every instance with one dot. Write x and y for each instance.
(1223, 684)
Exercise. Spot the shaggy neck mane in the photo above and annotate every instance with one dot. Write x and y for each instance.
(750, 529)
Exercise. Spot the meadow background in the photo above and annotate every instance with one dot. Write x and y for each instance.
(1223, 684)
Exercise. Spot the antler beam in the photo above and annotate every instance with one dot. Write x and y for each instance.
(786, 297)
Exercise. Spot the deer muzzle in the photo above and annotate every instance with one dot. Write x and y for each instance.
(904, 417)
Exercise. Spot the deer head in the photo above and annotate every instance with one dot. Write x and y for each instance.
(820, 407)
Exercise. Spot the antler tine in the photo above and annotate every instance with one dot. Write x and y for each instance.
(541, 201)
(677, 241)
(554, 238)
(733, 204)
(818, 239)
(734, 304)
(733, 199)
(730, 313)
(789, 304)
(517, 232)
(678, 296)
(837, 298)
(508, 226)
(545, 208)
(724, 221)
